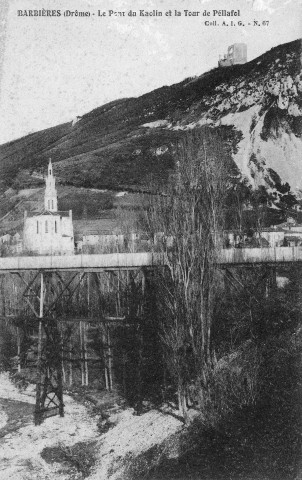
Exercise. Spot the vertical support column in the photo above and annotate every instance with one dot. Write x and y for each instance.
(104, 347)
(83, 343)
(82, 354)
(109, 359)
(38, 414)
(143, 288)
(70, 362)
(118, 295)
(139, 301)
(19, 349)
(62, 354)
(85, 354)
(41, 296)
(3, 309)
(124, 362)
(59, 390)
(104, 342)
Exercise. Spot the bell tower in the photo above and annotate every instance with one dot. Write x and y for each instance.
(50, 197)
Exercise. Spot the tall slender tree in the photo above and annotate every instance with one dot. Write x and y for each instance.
(188, 219)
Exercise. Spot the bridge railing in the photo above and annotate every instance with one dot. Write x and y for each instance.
(229, 256)
(260, 255)
(78, 262)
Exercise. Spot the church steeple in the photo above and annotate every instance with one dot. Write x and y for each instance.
(50, 197)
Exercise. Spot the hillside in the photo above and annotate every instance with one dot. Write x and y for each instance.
(122, 144)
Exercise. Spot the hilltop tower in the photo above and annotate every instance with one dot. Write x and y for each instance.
(237, 55)
(50, 196)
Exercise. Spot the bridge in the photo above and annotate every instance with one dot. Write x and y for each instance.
(76, 263)
(259, 256)
(129, 261)
(100, 290)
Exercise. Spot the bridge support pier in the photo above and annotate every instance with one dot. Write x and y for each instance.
(49, 387)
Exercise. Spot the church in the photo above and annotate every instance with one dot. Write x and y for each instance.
(49, 232)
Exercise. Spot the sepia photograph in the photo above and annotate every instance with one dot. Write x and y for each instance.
(151, 240)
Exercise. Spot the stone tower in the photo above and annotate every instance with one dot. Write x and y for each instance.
(237, 55)
(50, 197)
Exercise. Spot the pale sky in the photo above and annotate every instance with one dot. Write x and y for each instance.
(54, 68)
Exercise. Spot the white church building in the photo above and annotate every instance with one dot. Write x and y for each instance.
(49, 232)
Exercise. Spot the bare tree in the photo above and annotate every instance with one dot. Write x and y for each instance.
(189, 219)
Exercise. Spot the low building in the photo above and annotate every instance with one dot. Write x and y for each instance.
(101, 242)
(292, 232)
(5, 238)
(267, 237)
(274, 236)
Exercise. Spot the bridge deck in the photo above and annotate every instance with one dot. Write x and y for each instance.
(96, 262)
(270, 255)
(116, 261)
